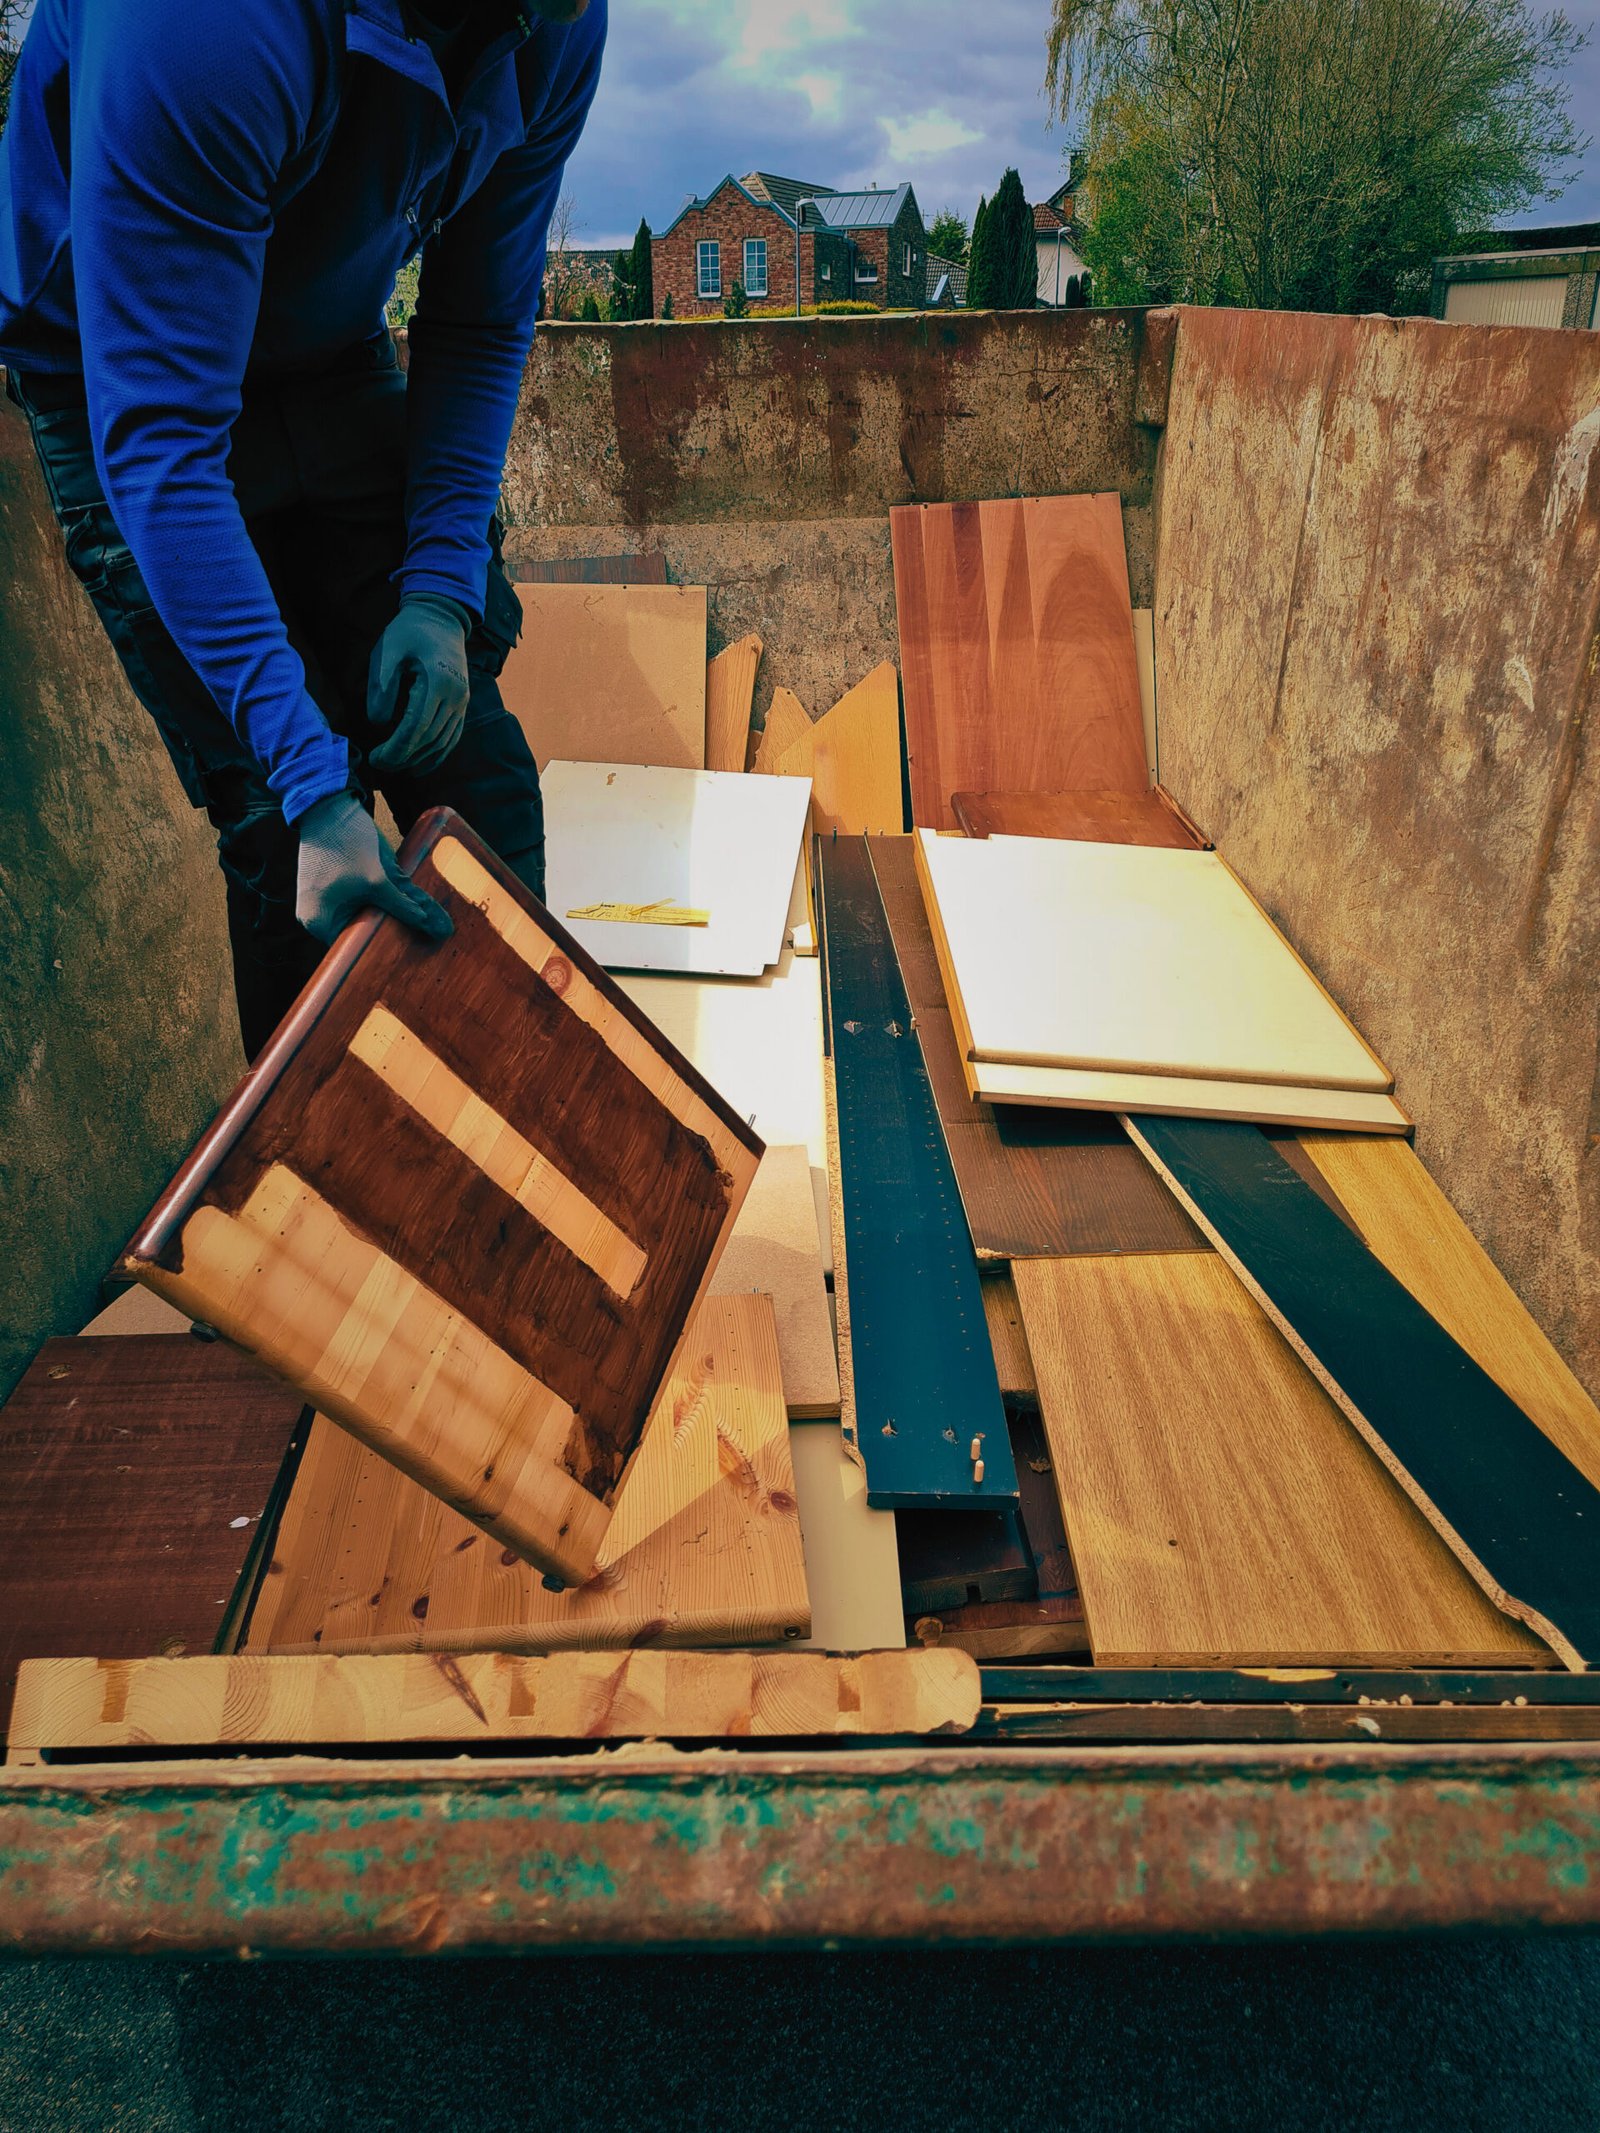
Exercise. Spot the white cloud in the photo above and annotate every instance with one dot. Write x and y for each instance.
(821, 91)
(929, 134)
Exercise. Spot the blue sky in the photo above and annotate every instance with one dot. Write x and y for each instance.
(847, 92)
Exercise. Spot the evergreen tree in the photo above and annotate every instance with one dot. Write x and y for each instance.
(641, 274)
(666, 305)
(948, 236)
(621, 287)
(1013, 260)
(978, 273)
(589, 309)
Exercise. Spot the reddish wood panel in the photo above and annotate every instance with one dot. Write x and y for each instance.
(134, 1472)
(1087, 817)
(1016, 650)
(647, 569)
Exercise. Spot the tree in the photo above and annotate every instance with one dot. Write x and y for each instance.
(563, 271)
(589, 309)
(1003, 274)
(13, 22)
(736, 304)
(948, 236)
(1311, 155)
(978, 253)
(666, 305)
(641, 274)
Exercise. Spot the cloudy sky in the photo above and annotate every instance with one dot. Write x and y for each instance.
(848, 92)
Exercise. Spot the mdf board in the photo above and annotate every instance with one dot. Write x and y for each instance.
(1174, 1096)
(730, 684)
(717, 843)
(1129, 959)
(1519, 1516)
(852, 757)
(852, 1554)
(327, 1701)
(1085, 817)
(1016, 649)
(610, 674)
(1219, 1508)
(705, 1547)
(135, 1472)
(775, 1250)
(1034, 1182)
(466, 1203)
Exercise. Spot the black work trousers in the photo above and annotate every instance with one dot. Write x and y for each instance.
(318, 464)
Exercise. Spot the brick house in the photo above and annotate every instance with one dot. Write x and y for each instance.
(870, 246)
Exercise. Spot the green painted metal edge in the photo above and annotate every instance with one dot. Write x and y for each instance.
(724, 1849)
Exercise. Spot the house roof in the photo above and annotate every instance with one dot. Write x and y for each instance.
(861, 211)
(784, 193)
(942, 271)
(693, 205)
(1047, 217)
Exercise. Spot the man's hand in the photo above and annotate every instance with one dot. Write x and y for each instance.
(345, 865)
(417, 683)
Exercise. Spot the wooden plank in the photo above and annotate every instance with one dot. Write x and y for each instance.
(774, 1249)
(1296, 1685)
(1515, 1511)
(928, 1418)
(705, 1547)
(1007, 1337)
(852, 1558)
(1171, 1724)
(1033, 1182)
(611, 674)
(730, 685)
(1017, 649)
(1220, 1510)
(787, 721)
(1084, 817)
(334, 1701)
(134, 1474)
(705, 840)
(325, 1224)
(852, 757)
(1144, 649)
(1171, 1096)
(646, 568)
(1132, 959)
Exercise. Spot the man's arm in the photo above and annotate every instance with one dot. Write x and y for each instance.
(478, 300)
(181, 131)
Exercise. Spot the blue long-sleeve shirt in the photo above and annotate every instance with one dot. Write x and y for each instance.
(191, 195)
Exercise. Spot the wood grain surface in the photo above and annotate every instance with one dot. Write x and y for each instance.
(1016, 649)
(611, 674)
(1085, 817)
(775, 1249)
(787, 721)
(333, 1228)
(852, 757)
(705, 1547)
(134, 1474)
(647, 568)
(1220, 1509)
(730, 684)
(334, 1701)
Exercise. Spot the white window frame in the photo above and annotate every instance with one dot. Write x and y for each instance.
(708, 267)
(911, 259)
(754, 246)
(827, 270)
(866, 269)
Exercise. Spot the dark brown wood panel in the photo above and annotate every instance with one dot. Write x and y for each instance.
(1087, 817)
(134, 1474)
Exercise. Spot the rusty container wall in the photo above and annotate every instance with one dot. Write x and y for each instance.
(1378, 632)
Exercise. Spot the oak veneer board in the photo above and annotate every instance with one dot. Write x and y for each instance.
(787, 721)
(705, 1547)
(330, 1700)
(1033, 1182)
(466, 1203)
(775, 1250)
(1016, 649)
(928, 1418)
(1086, 817)
(1220, 1510)
(852, 757)
(1517, 1513)
(648, 568)
(610, 674)
(730, 684)
(712, 841)
(134, 1475)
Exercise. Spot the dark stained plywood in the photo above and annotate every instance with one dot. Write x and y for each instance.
(466, 1203)
(1035, 1183)
(1516, 1512)
(650, 568)
(1088, 817)
(1016, 649)
(134, 1475)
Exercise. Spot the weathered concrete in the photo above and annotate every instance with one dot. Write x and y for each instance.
(1378, 630)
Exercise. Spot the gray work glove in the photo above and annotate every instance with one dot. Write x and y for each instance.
(345, 865)
(417, 683)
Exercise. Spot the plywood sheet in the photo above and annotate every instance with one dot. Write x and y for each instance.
(646, 568)
(1086, 817)
(730, 684)
(712, 841)
(774, 1249)
(705, 1546)
(852, 757)
(466, 1203)
(1129, 959)
(787, 721)
(852, 1558)
(610, 674)
(134, 1475)
(1017, 649)
(1220, 1510)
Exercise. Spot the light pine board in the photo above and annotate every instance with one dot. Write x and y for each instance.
(730, 684)
(705, 1546)
(787, 721)
(1144, 646)
(775, 1249)
(852, 757)
(1220, 1510)
(1132, 959)
(1016, 649)
(610, 674)
(706, 840)
(337, 1701)
(852, 1552)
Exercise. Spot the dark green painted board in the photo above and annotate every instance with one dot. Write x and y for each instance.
(1067, 1683)
(1521, 1517)
(925, 1382)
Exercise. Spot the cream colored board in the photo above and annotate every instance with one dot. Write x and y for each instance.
(774, 1250)
(1132, 959)
(717, 841)
(1168, 1096)
(1144, 646)
(610, 673)
(852, 1557)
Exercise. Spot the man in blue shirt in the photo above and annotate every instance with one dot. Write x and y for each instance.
(292, 545)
